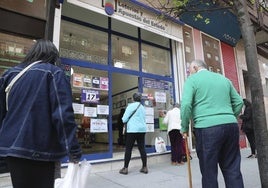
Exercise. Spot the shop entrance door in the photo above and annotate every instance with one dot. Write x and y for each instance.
(123, 87)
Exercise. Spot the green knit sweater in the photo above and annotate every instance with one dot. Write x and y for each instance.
(209, 99)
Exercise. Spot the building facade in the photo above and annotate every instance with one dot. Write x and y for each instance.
(112, 49)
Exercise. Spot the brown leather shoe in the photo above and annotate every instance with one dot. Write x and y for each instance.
(144, 170)
(123, 171)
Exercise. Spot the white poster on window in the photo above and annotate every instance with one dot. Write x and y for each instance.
(149, 111)
(90, 112)
(103, 109)
(160, 97)
(78, 108)
(149, 119)
(150, 127)
(98, 126)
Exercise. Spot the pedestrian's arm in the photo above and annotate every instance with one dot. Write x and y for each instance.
(126, 115)
(165, 120)
(186, 106)
(63, 115)
(184, 135)
(247, 113)
(236, 100)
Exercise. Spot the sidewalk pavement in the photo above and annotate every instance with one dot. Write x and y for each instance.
(164, 175)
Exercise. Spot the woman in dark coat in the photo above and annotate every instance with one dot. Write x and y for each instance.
(247, 127)
(120, 125)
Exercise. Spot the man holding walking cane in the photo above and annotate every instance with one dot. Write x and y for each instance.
(213, 103)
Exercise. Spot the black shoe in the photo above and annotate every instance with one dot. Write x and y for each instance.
(144, 170)
(123, 171)
(184, 158)
(251, 156)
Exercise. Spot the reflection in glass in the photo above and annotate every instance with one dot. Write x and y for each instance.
(151, 88)
(125, 28)
(79, 42)
(13, 49)
(125, 53)
(156, 60)
(154, 38)
(90, 102)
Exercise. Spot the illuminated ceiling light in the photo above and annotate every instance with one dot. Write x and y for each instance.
(118, 64)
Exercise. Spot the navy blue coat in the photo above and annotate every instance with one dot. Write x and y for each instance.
(39, 123)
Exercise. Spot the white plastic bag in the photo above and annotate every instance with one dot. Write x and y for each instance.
(160, 145)
(83, 173)
(75, 177)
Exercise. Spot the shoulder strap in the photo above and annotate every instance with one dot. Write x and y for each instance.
(10, 85)
(133, 112)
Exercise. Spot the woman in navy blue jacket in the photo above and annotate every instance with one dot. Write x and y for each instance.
(37, 126)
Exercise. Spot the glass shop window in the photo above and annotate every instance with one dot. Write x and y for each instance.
(13, 49)
(83, 43)
(125, 53)
(156, 60)
(154, 38)
(90, 103)
(158, 99)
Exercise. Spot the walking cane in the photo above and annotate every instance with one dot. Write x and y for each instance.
(188, 163)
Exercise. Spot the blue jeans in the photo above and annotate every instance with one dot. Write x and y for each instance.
(219, 145)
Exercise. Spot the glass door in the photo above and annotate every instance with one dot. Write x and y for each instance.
(91, 108)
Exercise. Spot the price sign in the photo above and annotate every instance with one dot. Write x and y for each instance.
(90, 96)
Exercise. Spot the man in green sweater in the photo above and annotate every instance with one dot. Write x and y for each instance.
(213, 103)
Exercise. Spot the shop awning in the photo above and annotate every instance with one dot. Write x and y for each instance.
(222, 25)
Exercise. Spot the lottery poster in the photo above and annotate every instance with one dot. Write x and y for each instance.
(90, 96)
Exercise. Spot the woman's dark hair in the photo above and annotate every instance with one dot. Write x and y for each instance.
(122, 111)
(137, 97)
(246, 102)
(43, 50)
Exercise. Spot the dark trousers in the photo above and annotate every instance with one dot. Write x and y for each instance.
(251, 138)
(130, 141)
(57, 173)
(219, 145)
(121, 136)
(176, 145)
(31, 174)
